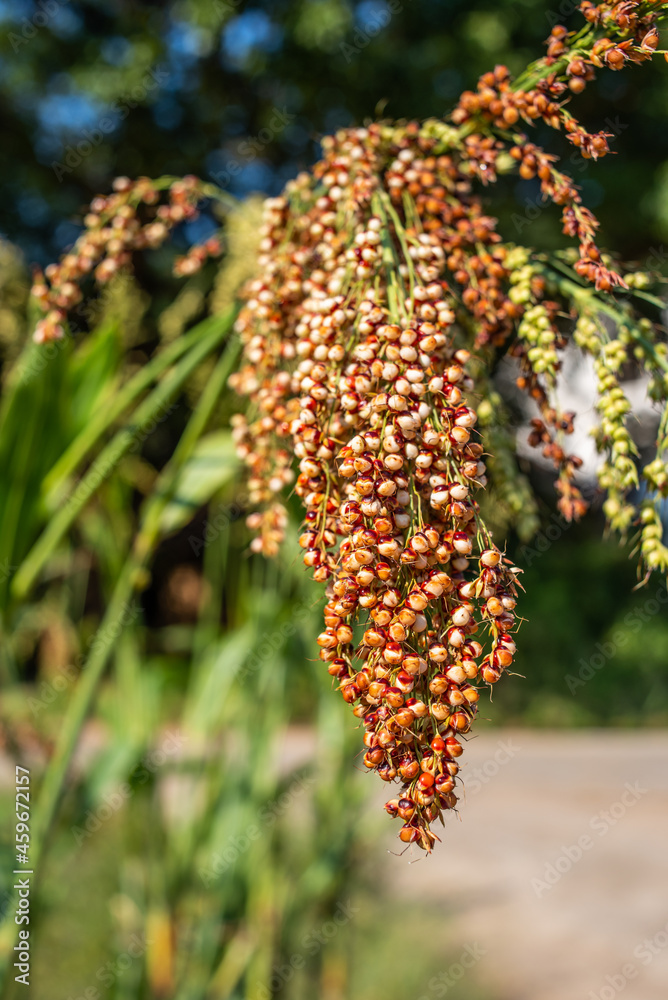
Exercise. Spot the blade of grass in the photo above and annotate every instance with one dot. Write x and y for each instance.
(111, 455)
(32, 435)
(128, 583)
(126, 395)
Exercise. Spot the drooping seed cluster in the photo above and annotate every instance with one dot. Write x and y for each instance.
(571, 61)
(354, 352)
(114, 230)
(383, 288)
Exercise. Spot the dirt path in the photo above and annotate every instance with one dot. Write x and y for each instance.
(556, 933)
(557, 868)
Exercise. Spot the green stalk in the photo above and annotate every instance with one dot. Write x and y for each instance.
(539, 69)
(110, 456)
(106, 416)
(129, 582)
(579, 292)
(208, 190)
(24, 430)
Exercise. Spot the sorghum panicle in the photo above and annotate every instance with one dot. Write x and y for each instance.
(383, 287)
(383, 298)
(115, 228)
(355, 356)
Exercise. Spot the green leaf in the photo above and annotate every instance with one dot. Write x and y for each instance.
(211, 466)
(94, 371)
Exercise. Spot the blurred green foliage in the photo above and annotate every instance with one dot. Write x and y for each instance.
(592, 649)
